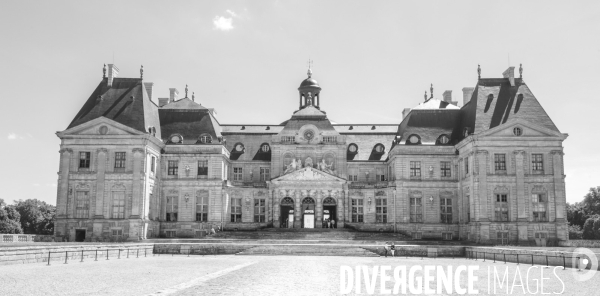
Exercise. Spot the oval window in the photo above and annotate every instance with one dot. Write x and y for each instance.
(352, 148)
(517, 131)
(413, 139)
(444, 139)
(264, 148)
(239, 147)
(175, 139)
(379, 148)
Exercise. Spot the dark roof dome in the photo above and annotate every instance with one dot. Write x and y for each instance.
(309, 82)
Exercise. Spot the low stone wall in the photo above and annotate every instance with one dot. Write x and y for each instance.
(200, 249)
(420, 251)
(580, 243)
(34, 254)
(527, 256)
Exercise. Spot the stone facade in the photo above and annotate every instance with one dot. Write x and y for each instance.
(491, 171)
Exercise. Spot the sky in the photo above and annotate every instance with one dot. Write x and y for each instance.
(246, 59)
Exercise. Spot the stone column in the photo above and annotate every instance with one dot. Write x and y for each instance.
(522, 213)
(297, 208)
(63, 182)
(136, 195)
(276, 208)
(559, 185)
(100, 175)
(319, 196)
(482, 158)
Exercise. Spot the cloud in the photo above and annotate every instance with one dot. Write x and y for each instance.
(14, 136)
(233, 14)
(223, 23)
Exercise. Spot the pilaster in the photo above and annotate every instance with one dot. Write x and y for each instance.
(63, 182)
(559, 185)
(100, 176)
(482, 158)
(137, 183)
(522, 213)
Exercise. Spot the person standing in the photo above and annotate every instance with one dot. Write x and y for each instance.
(332, 223)
(386, 249)
(393, 250)
(328, 223)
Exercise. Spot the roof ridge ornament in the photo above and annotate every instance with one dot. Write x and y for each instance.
(193, 97)
(104, 71)
(142, 72)
(309, 72)
(431, 97)
(186, 90)
(425, 96)
(478, 71)
(521, 71)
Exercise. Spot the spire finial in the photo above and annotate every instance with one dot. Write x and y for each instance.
(425, 96)
(478, 71)
(309, 72)
(104, 71)
(431, 89)
(142, 72)
(521, 71)
(193, 97)
(186, 90)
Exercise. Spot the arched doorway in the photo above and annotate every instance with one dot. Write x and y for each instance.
(287, 213)
(329, 212)
(308, 212)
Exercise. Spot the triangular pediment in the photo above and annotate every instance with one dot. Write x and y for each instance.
(100, 126)
(528, 130)
(308, 174)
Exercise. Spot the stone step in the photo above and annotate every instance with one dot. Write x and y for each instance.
(308, 250)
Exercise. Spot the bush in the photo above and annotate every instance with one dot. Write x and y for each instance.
(575, 232)
(590, 228)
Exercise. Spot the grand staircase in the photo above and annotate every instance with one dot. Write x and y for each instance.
(308, 250)
(340, 234)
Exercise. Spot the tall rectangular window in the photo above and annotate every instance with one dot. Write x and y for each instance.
(381, 210)
(259, 210)
(539, 207)
(265, 174)
(500, 162)
(173, 167)
(446, 210)
(118, 205)
(358, 210)
(445, 170)
(415, 169)
(202, 206)
(353, 175)
(172, 208)
(203, 169)
(237, 174)
(236, 210)
(82, 204)
(380, 174)
(537, 163)
(501, 208)
(119, 160)
(466, 166)
(84, 160)
(153, 164)
(416, 209)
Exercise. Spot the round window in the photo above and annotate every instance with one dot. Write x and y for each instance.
(517, 131)
(309, 135)
(265, 148)
(175, 139)
(413, 139)
(379, 148)
(103, 130)
(444, 139)
(353, 148)
(239, 147)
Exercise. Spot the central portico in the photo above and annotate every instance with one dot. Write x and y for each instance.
(304, 197)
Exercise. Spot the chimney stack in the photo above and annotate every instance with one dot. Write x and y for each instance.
(510, 74)
(447, 96)
(162, 101)
(173, 93)
(467, 93)
(113, 72)
(148, 86)
(405, 112)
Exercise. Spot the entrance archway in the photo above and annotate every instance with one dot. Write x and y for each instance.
(308, 212)
(329, 212)
(287, 213)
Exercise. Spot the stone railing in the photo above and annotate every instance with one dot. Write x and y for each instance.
(373, 184)
(21, 238)
(249, 184)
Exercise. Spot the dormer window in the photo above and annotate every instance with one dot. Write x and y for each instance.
(443, 140)
(352, 148)
(239, 148)
(176, 139)
(205, 139)
(379, 148)
(413, 140)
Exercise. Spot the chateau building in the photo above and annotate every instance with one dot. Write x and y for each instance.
(489, 171)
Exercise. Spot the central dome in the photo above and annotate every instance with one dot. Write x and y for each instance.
(309, 82)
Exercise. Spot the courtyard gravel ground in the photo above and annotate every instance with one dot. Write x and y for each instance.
(245, 275)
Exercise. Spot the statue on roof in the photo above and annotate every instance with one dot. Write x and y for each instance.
(186, 90)
(478, 71)
(290, 167)
(521, 71)
(142, 72)
(309, 99)
(104, 71)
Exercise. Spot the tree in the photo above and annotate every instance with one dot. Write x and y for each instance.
(576, 214)
(575, 232)
(9, 219)
(591, 202)
(588, 228)
(37, 217)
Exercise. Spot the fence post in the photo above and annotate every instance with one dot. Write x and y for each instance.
(49, 257)
(138, 253)
(145, 252)
(504, 257)
(127, 252)
(483, 256)
(106, 254)
(547, 261)
(578, 265)
(96, 255)
(119, 257)
(475, 256)
(494, 257)
(564, 263)
(531, 259)
(66, 256)
(517, 259)
(81, 256)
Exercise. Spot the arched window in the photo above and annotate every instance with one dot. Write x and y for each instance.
(517, 131)
(205, 139)
(308, 200)
(287, 201)
(265, 148)
(379, 148)
(443, 140)
(329, 201)
(176, 139)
